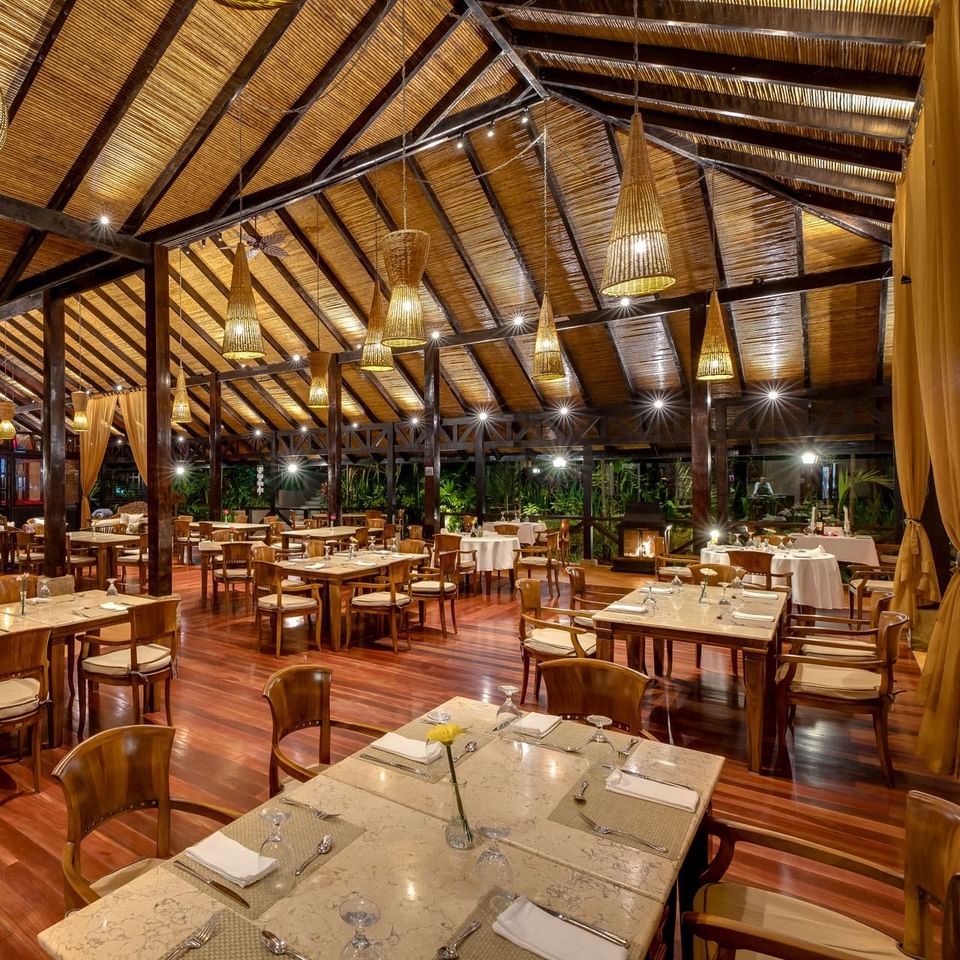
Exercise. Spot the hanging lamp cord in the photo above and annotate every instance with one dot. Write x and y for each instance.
(636, 58)
(180, 304)
(546, 285)
(80, 335)
(403, 106)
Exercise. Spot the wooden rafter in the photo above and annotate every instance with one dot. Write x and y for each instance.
(804, 305)
(500, 38)
(153, 52)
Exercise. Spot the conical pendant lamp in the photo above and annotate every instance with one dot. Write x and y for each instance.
(319, 395)
(405, 257)
(242, 339)
(7, 412)
(376, 357)
(547, 359)
(716, 360)
(180, 411)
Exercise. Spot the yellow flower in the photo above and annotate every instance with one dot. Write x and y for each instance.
(445, 733)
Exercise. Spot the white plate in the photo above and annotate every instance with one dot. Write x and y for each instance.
(437, 716)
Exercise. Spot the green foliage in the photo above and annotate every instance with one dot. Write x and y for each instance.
(363, 487)
(860, 478)
(190, 493)
(240, 487)
(458, 491)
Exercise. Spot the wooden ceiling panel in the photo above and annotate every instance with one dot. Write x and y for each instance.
(54, 251)
(888, 332)
(496, 81)
(770, 339)
(844, 325)
(647, 355)
(22, 25)
(827, 246)
(12, 236)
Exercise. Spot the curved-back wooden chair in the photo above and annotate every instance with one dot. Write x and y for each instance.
(438, 584)
(546, 558)
(384, 596)
(299, 697)
(759, 563)
(279, 598)
(23, 689)
(234, 570)
(722, 573)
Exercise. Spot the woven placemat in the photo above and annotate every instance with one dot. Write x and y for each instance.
(303, 831)
(436, 771)
(235, 939)
(657, 823)
(487, 945)
(568, 734)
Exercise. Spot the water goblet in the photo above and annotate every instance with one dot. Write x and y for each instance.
(112, 587)
(676, 585)
(508, 711)
(598, 748)
(493, 867)
(360, 913)
(43, 589)
(280, 880)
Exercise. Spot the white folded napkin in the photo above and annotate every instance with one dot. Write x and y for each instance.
(535, 724)
(112, 605)
(820, 551)
(530, 928)
(740, 615)
(682, 797)
(760, 594)
(231, 859)
(315, 566)
(628, 607)
(421, 751)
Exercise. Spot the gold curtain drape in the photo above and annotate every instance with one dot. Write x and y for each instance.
(931, 199)
(133, 407)
(93, 446)
(916, 577)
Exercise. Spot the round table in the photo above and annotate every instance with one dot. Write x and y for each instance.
(845, 549)
(526, 530)
(491, 551)
(816, 576)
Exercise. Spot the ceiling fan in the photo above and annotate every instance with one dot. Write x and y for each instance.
(270, 244)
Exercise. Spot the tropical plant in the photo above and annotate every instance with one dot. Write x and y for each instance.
(861, 477)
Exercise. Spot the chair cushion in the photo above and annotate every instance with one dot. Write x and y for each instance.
(682, 572)
(821, 647)
(116, 663)
(287, 602)
(18, 696)
(114, 881)
(535, 561)
(584, 620)
(432, 586)
(871, 586)
(379, 598)
(846, 683)
(132, 558)
(551, 640)
(787, 916)
(233, 573)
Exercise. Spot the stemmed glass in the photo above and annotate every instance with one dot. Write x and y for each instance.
(43, 590)
(599, 748)
(360, 912)
(280, 880)
(493, 867)
(508, 711)
(736, 594)
(112, 587)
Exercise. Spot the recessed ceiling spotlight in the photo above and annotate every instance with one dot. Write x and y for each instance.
(659, 403)
(104, 220)
(773, 395)
(435, 335)
(624, 301)
(414, 420)
(257, 432)
(180, 469)
(564, 411)
(296, 358)
(491, 131)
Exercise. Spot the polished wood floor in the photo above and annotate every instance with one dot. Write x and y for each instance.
(835, 795)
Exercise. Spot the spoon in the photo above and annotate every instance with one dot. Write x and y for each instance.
(449, 950)
(278, 947)
(579, 796)
(469, 747)
(324, 846)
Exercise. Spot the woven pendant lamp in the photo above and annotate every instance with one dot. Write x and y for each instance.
(80, 422)
(180, 411)
(7, 412)
(376, 357)
(405, 256)
(319, 395)
(241, 336)
(547, 360)
(716, 360)
(638, 252)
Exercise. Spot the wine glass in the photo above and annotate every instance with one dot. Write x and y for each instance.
(360, 912)
(43, 589)
(493, 867)
(599, 748)
(736, 594)
(112, 587)
(280, 880)
(508, 711)
(676, 585)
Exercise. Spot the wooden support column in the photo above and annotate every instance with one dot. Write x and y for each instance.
(159, 470)
(334, 438)
(479, 471)
(587, 484)
(391, 473)
(214, 497)
(431, 444)
(699, 429)
(54, 437)
(721, 470)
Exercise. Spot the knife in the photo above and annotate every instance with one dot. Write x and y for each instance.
(416, 771)
(583, 925)
(216, 884)
(668, 783)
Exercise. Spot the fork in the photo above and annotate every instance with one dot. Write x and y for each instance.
(319, 814)
(625, 752)
(196, 940)
(603, 830)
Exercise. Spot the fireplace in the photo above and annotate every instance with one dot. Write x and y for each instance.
(642, 523)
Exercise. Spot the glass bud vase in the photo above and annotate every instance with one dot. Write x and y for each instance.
(457, 831)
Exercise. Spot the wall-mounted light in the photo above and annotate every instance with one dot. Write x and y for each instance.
(293, 467)
(179, 469)
(559, 463)
(808, 457)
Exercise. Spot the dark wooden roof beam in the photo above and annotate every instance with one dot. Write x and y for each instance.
(804, 306)
(496, 33)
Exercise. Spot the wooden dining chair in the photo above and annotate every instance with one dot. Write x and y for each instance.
(546, 558)
(234, 570)
(146, 658)
(506, 529)
(112, 773)
(726, 916)
(711, 574)
(386, 596)
(439, 584)
(10, 587)
(586, 600)
(24, 670)
(851, 688)
(135, 559)
(465, 568)
(846, 638)
(279, 598)
(299, 697)
(415, 531)
(182, 541)
(543, 639)
(28, 558)
(577, 688)
(759, 563)
(360, 538)
(864, 582)
(667, 565)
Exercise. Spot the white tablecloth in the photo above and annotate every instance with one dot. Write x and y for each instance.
(527, 531)
(816, 577)
(492, 551)
(845, 549)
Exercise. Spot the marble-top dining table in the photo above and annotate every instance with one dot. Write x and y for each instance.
(389, 846)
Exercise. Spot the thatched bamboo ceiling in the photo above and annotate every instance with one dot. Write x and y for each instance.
(776, 126)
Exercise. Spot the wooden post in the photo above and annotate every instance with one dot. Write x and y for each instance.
(699, 429)
(479, 471)
(721, 471)
(54, 437)
(276, 474)
(215, 495)
(586, 480)
(334, 438)
(431, 445)
(391, 472)
(159, 463)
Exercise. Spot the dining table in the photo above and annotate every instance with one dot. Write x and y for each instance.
(106, 546)
(250, 530)
(66, 616)
(694, 614)
(816, 579)
(527, 530)
(852, 549)
(493, 552)
(388, 845)
(317, 533)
